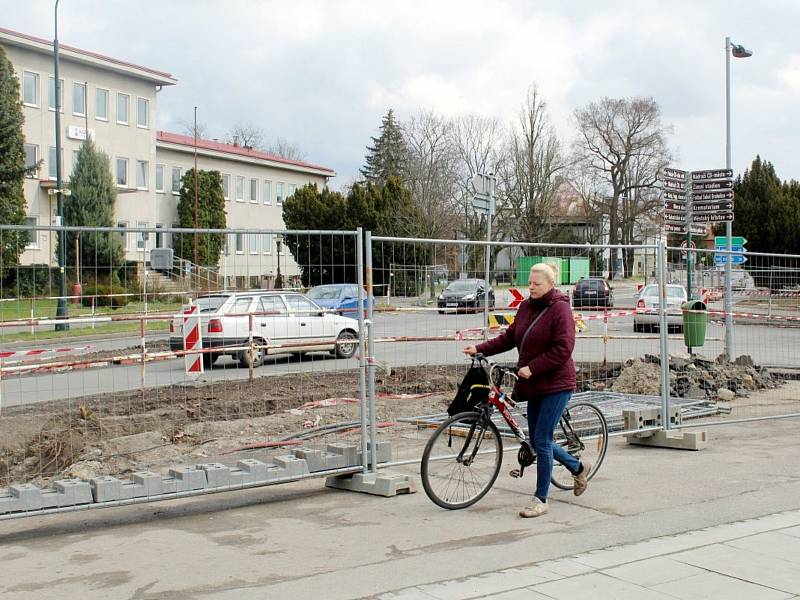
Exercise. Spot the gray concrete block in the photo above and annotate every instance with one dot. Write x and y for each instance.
(384, 452)
(678, 440)
(169, 485)
(238, 477)
(292, 466)
(28, 496)
(51, 499)
(255, 470)
(8, 504)
(105, 488)
(317, 460)
(151, 483)
(73, 491)
(378, 484)
(217, 474)
(350, 452)
(188, 478)
(130, 490)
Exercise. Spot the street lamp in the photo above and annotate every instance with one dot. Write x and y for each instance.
(278, 276)
(738, 51)
(61, 308)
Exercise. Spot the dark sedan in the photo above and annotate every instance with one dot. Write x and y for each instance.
(464, 294)
(592, 292)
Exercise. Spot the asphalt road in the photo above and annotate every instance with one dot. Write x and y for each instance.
(772, 346)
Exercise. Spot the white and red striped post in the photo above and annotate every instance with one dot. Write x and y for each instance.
(192, 339)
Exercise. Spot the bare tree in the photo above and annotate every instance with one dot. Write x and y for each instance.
(246, 135)
(188, 128)
(286, 149)
(623, 143)
(432, 172)
(530, 178)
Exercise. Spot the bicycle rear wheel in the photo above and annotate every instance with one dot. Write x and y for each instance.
(583, 432)
(461, 460)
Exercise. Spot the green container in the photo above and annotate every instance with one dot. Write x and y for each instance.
(578, 269)
(694, 323)
(524, 264)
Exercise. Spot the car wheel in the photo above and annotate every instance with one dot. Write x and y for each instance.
(346, 345)
(208, 360)
(258, 356)
(637, 327)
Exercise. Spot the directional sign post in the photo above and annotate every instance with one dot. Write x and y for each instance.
(516, 298)
(721, 256)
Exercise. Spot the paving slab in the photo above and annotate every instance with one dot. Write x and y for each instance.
(713, 586)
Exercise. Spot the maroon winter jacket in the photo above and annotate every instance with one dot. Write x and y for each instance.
(548, 347)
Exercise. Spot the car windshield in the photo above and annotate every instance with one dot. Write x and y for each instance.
(324, 292)
(210, 304)
(673, 291)
(462, 286)
(591, 284)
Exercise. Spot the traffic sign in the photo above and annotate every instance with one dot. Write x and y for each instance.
(667, 173)
(709, 207)
(517, 297)
(483, 203)
(708, 196)
(736, 240)
(738, 249)
(716, 217)
(681, 228)
(712, 174)
(671, 184)
(736, 259)
(701, 186)
(683, 248)
(674, 196)
(675, 206)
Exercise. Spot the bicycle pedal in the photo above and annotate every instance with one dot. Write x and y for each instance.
(515, 473)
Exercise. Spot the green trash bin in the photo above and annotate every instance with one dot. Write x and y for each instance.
(695, 319)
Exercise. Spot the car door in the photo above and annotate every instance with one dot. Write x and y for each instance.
(349, 301)
(273, 324)
(236, 323)
(306, 318)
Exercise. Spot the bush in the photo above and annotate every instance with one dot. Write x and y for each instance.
(105, 295)
(30, 280)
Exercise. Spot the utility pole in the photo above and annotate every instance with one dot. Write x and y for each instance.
(61, 309)
(196, 203)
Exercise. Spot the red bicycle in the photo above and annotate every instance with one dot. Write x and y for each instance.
(463, 457)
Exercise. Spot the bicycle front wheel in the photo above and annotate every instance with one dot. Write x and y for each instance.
(583, 432)
(461, 460)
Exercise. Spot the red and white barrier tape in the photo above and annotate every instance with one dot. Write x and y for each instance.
(17, 355)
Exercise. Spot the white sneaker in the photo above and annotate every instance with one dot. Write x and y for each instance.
(536, 509)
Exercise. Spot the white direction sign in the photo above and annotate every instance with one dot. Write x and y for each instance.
(708, 196)
(681, 228)
(712, 174)
(674, 196)
(677, 174)
(671, 184)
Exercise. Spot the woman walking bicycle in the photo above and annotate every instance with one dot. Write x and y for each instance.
(544, 334)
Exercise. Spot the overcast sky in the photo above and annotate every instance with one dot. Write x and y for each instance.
(322, 73)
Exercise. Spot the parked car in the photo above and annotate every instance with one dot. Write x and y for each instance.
(341, 297)
(288, 318)
(592, 292)
(648, 299)
(464, 293)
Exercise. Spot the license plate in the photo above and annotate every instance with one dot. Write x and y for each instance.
(452, 304)
(591, 293)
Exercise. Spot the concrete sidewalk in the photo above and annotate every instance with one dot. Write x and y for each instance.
(716, 515)
(756, 559)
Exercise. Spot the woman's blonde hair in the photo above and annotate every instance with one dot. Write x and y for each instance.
(550, 271)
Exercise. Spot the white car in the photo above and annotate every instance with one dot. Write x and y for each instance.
(648, 299)
(286, 318)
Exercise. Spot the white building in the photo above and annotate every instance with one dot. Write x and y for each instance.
(115, 103)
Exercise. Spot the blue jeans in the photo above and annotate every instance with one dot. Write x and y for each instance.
(544, 411)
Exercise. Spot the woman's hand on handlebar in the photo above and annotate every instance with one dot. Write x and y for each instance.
(470, 350)
(525, 373)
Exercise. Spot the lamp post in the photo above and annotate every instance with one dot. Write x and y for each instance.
(61, 308)
(738, 51)
(278, 276)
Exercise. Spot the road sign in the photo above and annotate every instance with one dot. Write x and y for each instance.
(712, 174)
(681, 228)
(723, 248)
(702, 186)
(710, 207)
(671, 184)
(718, 217)
(675, 206)
(517, 297)
(736, 240)
(736, 259)
(683, 248)
(667, 173)
(674, 196)
(483, 203)
(710, 196)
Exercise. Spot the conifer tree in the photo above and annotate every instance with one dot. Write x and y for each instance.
(388, 155)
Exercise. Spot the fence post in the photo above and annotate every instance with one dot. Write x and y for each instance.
(362, 359)
(250, 350)
(142, 351)
(373, 420)
(663, 331)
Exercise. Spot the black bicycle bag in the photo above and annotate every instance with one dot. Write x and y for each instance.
(474, 389)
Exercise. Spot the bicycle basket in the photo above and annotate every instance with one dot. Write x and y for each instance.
(474, 389)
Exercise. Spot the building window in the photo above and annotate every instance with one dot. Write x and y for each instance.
(79, 99)
(123, 108)
(30, 88)
(267, 191)
(239, 243)
(254, 191)
(122, 172)
(160, 180)
(159, 236)
(141, 236)
(141, 174)
(51, 163)
(253, 243)
(75, 155)
(31, 158)
(226, 186)
(33, 235)
(266, 243)
(101, 104)
(279, 193)
(239, 188)
(176, 180)
(51, 100)
(142, 112)
(292, 190)
(123, 235)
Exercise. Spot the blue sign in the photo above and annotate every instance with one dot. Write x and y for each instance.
(733, 248)
(736, 259)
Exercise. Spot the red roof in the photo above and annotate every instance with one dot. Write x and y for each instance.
(61, 46)
(188, 140)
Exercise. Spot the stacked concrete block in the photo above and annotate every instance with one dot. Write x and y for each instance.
(350, 453)
(252, 471)
(318, 460)
(106, 488)
(188, 478)
(288, 466)
(69, 492)
(27, 497)
(217, 474)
